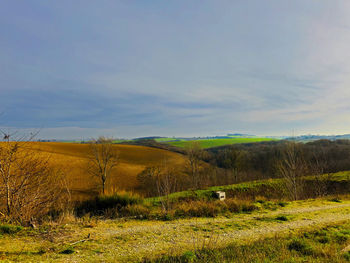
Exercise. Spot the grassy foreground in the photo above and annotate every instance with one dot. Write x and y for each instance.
(259, 233)
(325, 244)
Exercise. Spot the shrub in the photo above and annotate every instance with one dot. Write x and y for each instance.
(341, 238)
(282, 218)
(324, 240)
(301, 246)
(137, 210)
(335, 199)
(237, 206)
(107, 203)
(30, 185)
(67, 251)
(188, 256)
(347, 256)
(199, 209)
(9, 229)
(282, 204)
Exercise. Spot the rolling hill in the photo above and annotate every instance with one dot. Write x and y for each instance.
(71, 158)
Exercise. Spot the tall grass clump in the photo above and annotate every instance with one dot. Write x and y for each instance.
(205, 208)
(199, 209)
(104, 204)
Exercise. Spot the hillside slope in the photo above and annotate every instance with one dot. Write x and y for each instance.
(72, 159)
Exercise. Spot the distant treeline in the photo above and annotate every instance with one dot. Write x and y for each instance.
(241, 163)
(258, 160)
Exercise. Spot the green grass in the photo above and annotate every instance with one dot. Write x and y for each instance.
(168, 139)
(270, 188)
(316, 245)
(9, 229)
(209, 143)
(254, 187)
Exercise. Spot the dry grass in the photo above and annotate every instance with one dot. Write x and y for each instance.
(72, 158)
(124, 240)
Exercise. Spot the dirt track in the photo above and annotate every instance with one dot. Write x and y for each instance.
(135, 240)
(131, 241)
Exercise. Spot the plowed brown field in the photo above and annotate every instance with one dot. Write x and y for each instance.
(72, 159)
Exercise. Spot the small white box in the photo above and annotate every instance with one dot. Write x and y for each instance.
(221, 195)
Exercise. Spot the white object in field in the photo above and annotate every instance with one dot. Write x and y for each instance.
(221, 195)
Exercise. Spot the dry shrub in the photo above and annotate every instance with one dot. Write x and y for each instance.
(238, 205)
(30, 187)
(136, 210)
(200, 209)
(213, 208)
(107, 205)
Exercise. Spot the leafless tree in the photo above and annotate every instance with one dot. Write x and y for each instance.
(292, 167)
(317, 169)
(102, 159)
(29, 185)
(166, 183)
(194, 154)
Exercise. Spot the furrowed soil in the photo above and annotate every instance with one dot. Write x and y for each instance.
(133, 240)
(71, 158)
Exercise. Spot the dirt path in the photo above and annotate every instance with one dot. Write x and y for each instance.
(130, 241)
(138, 240)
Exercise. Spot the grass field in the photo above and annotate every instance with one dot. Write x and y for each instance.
(168, 139)
(208, 143)
(72, 159)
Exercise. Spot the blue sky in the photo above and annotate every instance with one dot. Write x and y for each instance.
(85, 68)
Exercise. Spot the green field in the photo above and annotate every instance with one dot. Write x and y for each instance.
(208, 143)
(167, 139)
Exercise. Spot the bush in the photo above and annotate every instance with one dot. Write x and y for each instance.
(188, 256)
(323, 240)
(34, 185)
(347, 256)
(136, 210)
(282, 218)
(67, 251)
(110, 204)
(301, 246)
(200, 209)
(9, 229)
(341, 238)
(238, 206)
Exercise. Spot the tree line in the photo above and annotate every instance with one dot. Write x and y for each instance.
(254, 161)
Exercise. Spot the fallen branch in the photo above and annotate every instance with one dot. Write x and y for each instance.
(80, 241)
(77, 242)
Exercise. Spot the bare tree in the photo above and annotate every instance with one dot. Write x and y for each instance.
(166, 184)
(160, 180)
(29, 185)
(102, 159)
(147, 180)
(194, 154)
(317, 168)
(235, 160)
(292, 167)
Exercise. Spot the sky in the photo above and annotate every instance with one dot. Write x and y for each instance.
(125, 69)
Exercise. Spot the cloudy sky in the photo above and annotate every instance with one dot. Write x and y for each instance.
(74, 69)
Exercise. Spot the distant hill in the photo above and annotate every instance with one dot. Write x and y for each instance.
(310, 137)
